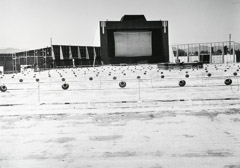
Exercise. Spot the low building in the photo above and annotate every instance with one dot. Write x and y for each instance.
(213, 53)
(56, 56)
(6, 61)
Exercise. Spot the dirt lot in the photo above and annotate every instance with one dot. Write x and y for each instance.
(152, 122)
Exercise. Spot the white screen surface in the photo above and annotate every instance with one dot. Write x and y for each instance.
(133, 44)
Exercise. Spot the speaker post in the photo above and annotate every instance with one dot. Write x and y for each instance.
(139, 90)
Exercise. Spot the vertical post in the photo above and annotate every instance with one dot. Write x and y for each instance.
(12, 63)
(188, 53)
(229, 43)
(15, 63)
(234, 56)
(38, 92)
(50, 78)
(177, 54)
(45, 58)
(26, 57)
(34, 55)
(37, 59)
(223, 52)
(94, 57)
(199, 59)
(230, 53)
(18, 61)
(139, 90)
(52, 54)
(210, 53)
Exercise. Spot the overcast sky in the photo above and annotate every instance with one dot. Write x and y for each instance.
(29, 24)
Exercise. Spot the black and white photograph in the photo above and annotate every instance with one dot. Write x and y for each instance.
(119, 84)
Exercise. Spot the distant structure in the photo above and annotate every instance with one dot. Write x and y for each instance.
(208, 53)
(134, 40)
(6, 61)
(51, 57)
(129, 41)
(68, 56)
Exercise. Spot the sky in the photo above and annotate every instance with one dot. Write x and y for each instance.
(30, 24)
